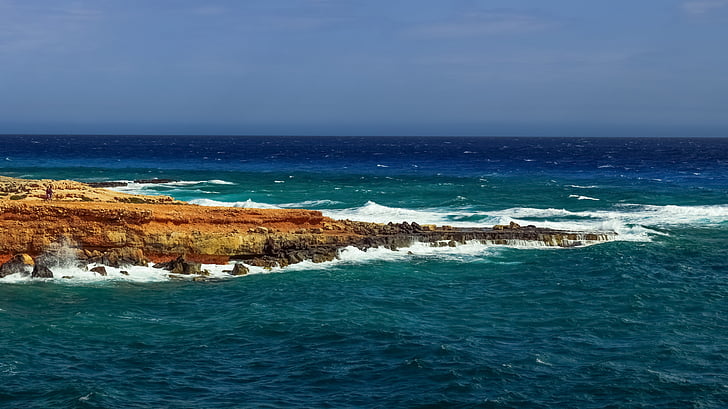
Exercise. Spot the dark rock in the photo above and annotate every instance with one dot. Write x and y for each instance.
(265, 261)
(100, 269)
(239, 270)
(192, 268)
(20, 263)
(180, 266)
(40, 271)
(124, 273)
(323, 257)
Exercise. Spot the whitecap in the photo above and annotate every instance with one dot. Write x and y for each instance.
(310, 203)
(579, 197)
(582, 187)
(631, 222)
(244, 204)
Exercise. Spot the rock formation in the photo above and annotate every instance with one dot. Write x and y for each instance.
(117, 230)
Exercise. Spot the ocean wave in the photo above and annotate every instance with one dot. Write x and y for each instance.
(310, 203)
(149, 188)
(244, 204)
(579, 197)
(582, 187)
(631, 222)
(376, 213)
(141, 274)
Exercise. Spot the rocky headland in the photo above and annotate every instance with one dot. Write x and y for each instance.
(95, 226)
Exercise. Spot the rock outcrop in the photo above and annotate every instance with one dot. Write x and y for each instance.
(19, 264)
(68, 190)
(181, 236)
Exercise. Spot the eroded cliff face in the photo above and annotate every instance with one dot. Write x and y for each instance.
(159, 231)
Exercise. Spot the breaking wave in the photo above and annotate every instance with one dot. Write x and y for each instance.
(150, 188)
(71, 275)
(580, 197)
(632, 222)
(244, 204)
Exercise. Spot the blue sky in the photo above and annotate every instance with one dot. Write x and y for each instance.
(344, 67)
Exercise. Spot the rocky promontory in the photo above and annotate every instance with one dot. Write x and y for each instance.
(99, 226)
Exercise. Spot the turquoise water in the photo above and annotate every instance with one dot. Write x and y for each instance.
(640, 322)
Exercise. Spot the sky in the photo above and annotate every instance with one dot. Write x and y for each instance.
(366, 67)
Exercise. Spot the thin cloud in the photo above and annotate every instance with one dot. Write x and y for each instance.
(481, 24)
(699, 7)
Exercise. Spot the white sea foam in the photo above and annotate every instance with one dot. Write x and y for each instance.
(467, 252)
(579, 197)
(245, 204)
(139, 274)
(149, 188)
(374, 212)
(631, 222)
(310, 203)
(582, 187)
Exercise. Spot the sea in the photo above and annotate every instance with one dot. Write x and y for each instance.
(637, 322)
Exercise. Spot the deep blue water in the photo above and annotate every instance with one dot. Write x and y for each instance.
(640, 322)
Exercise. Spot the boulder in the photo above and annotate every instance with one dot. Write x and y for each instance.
(180, 266)
(100, 269)
(20, 263)
(239, 270)
(41, 271)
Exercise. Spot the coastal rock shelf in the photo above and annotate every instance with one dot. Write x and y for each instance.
(118, 230)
